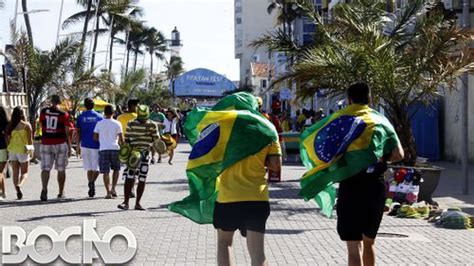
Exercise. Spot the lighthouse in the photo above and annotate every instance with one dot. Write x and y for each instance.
(175, 42)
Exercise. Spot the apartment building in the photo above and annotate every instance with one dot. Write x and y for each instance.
(251, 21)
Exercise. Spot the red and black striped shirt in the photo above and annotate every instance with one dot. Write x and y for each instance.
(53, 126)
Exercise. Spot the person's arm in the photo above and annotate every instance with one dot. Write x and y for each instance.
(397, 154)
(96, 132)
(30, 133)
(273, 161)
(120, 140)
(120, 135)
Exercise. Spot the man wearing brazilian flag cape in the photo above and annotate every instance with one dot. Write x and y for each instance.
(352, 147)
(233, 145)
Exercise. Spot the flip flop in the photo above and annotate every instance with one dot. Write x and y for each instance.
(123, 207)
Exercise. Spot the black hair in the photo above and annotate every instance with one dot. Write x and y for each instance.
(55, 99)
(132, 102)
(17, 115)
(359, 93)
(89, 103)
(4, 119)
(109, 109)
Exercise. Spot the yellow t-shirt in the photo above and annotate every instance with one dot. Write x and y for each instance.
(246, 180)
(125, 118)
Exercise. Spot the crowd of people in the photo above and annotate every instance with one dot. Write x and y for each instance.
(98, 139)
(134, 137)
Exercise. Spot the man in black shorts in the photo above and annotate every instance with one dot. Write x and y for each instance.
(361, 198)
(243, 204)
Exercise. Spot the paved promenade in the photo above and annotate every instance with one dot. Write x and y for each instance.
(297, 235)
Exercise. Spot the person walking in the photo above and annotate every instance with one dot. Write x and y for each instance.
(55, 147)
(140, 134)
(108, 133)
(129, 115)
(87, 145)
(125, 118)
(171, 129)
(4, 121)
(159, 118)
(20, 140)
(361, 198)
(243, 203)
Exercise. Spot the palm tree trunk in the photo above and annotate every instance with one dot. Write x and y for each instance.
(86, 23)
(135, 62)
(128, 61)
(24, 6)
(96, 38)
(151, 65)
(111, 53)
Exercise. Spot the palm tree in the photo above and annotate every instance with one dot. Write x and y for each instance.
(288, 11)
(129, 85)
(136, 35)
(24, 6)
(120, 15)
(174, 68)
(91, 10)
(43, 67)
(155, 44)
(405, 56)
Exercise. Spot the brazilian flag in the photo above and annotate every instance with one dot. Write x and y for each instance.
(224, 138)
(236, 101)
(341, 146)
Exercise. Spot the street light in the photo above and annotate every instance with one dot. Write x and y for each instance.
(22, 13)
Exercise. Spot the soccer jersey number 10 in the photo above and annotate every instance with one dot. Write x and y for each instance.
(51, 122)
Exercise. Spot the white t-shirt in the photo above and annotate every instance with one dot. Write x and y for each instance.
(171, 126)
(108, 130)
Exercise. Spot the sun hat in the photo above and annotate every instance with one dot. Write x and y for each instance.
(143, 112)
(159, 146)
(124, 152)
(134, 160)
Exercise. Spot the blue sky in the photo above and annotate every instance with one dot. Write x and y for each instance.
(206, 26)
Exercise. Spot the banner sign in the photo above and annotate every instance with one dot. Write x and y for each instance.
(202, 82)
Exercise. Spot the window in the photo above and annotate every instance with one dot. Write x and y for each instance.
(307, 39)
(238, 20)
(263, 83)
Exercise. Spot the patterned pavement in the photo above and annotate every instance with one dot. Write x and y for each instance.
(296, 234)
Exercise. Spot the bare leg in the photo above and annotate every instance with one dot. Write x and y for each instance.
(127, 189)
(224, 248)
(61, 181)
(368, 254)
(92, 176)
(2, 180)
(16, 173)
(140, 190)
(107, 185)
(24, 173)
(255, 244)
(115, 177)
(354, 249)
(171, 156)
(45, 179)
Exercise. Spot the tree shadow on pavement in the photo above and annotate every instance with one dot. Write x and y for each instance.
(79, 214)
(23, 203)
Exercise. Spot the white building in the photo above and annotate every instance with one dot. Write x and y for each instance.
(251, 22)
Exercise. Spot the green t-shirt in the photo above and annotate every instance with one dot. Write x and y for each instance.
(157, 117)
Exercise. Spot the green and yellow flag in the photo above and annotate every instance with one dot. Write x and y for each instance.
(236, 101)
(341, 146)
(223, 138)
